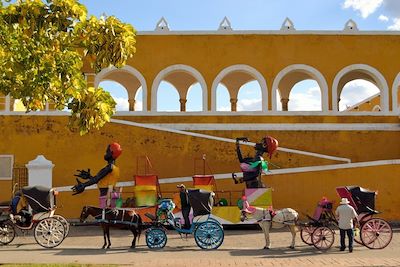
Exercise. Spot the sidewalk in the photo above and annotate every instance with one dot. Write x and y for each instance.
(240, 248)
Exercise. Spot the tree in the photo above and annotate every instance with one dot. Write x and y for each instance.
(43, 45)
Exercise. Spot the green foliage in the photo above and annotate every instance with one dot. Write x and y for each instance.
(42, 48)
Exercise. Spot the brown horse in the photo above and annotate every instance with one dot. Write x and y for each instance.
(119, 218)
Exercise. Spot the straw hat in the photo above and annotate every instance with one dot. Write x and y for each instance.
(344, 201)
(180, 186)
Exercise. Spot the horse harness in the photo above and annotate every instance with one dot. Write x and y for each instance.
(132, 214)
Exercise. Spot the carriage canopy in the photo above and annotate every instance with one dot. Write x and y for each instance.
(40, 198)
(201, 201)
(363, 200)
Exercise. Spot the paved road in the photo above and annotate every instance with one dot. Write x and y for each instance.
(240, 248)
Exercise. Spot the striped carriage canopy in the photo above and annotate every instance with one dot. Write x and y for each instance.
(206, 182)
(147, 189)
(40, 198)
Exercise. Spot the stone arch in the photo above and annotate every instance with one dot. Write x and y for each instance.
(240, 68)
(106, 73)
(360, 71)
(396, 94)
(178, 68)
(307, 72)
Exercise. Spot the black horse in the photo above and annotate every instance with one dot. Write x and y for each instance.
(119, 218)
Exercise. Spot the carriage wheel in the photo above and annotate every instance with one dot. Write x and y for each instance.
(323, 238)
(209, 235)
(376, 233)
(306, 233)
(156, 238)
(64, 222)
(49, 232)
(7, 232)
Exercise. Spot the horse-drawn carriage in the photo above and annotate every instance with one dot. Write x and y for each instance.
(34, 208)
(375, 233)
(208, 232)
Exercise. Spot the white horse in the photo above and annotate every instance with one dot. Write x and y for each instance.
(268, 219)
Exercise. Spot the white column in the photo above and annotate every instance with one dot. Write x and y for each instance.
(8, 101)
(40, 172)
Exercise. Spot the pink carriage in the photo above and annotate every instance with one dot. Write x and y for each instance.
(375, 233)
(318, 231)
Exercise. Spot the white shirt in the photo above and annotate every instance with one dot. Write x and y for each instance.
(345, 215)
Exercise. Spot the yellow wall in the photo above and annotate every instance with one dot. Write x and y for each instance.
(172, 154)
(268, 53)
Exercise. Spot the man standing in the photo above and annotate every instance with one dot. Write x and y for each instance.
(185, 205)
(345, 215)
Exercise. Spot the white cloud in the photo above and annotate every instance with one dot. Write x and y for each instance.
(249, 104)
(309, 100)
(396, 25)
(355, 92)
(383, 18)
(365, 7)
(392, 7)
(138, 105)
(224, 108)
(122, 104)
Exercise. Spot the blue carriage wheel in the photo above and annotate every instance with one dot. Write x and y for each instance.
(209, 235)
(156, 238)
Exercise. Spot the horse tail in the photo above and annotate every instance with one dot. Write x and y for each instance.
(139, 227)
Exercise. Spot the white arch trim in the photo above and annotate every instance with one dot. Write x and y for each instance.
(375, 74)
(178, 67)
(313, 72)
(131, 70)
(244, 68)
(395, 88)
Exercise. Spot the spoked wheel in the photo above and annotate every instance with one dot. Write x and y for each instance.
(306, 233)
(323, 238)
(209, 235)
(376, 233)
(49, 232)
(156, 238)
(64, 222)
(7, 232)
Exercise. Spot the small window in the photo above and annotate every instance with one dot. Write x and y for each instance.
(6, 166)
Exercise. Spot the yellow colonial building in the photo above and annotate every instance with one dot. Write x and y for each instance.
(319, 150)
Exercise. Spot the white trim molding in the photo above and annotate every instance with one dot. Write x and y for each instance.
(243, 68)
(374, 73)
(178, 67)
(391, 127)
(129, 69)
(314, 74)
(395, 91)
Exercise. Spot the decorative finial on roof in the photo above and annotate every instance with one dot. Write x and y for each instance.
(350, 26)
(225, 25)
(162, 25)
(287, 25)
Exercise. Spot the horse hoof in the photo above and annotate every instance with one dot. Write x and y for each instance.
(133, 246)
(291, 247)
(266, 247)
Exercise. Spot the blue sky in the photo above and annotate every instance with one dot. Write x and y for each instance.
(253, 15)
